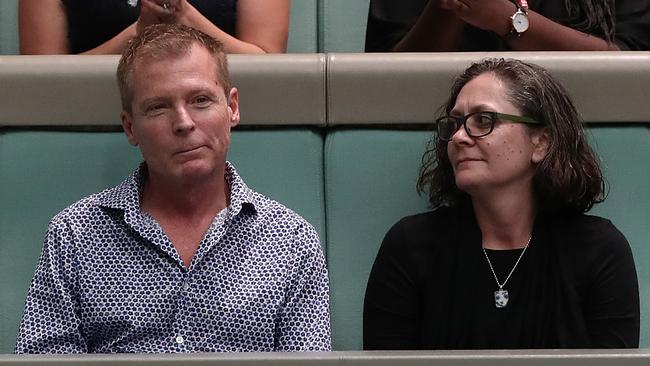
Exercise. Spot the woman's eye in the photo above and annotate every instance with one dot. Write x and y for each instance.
(484, 120)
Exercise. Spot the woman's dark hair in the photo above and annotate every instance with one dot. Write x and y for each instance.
(592, 15)
(569, 177)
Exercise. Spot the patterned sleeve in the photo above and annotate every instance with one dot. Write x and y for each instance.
(304, 322)
(50, 322)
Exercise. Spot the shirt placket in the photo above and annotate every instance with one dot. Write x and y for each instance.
(182, 327)
(182, 338)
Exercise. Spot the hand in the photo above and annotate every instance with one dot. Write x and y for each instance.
(490, 15)
(159, 11)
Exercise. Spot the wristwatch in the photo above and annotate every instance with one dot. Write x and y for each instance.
(518, 20)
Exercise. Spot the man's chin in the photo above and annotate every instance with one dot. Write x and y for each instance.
(197, 170)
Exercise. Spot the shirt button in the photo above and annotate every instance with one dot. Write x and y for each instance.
(180, 339)
(186, 286)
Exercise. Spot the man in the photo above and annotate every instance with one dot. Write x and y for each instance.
(182, 256)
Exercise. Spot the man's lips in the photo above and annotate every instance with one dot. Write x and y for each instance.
(188, 150)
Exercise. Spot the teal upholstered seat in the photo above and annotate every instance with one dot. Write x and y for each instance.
(368, 194)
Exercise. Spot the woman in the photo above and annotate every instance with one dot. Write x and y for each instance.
(105, 26)
(508, 259)
(479, 25)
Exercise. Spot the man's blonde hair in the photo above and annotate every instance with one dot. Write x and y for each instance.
(160, 41)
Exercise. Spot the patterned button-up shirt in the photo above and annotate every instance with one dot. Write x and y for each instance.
(110, 280)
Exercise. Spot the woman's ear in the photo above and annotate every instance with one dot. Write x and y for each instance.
(541, 143)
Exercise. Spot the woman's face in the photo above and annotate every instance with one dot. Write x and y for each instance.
(503, 160)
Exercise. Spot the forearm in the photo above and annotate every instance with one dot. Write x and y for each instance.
(116, 44)
(435, 30)
(546, 35)
(195, 19)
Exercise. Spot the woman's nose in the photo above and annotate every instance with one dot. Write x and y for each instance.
(461, 136)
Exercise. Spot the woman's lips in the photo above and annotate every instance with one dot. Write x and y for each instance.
(467, 160)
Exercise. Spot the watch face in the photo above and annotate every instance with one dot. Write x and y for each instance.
(520, 22)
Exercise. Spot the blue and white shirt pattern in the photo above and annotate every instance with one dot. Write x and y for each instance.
(109, 280)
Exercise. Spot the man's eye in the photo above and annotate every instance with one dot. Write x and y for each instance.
(155, 109)
(202, 101)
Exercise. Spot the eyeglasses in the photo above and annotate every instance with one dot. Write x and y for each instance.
(477, 124)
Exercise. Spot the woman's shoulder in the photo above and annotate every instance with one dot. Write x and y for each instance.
(423, 229)
(588, 226)
(433, 220)
(590, 232)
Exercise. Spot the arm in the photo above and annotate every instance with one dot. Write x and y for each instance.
(50, 321)
(612, 301)
(547, 35)
(543, 34)
(390, 311)
(303, 323)
(262, 26)
(43, 27)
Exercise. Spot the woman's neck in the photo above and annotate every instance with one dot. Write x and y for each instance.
(506, 222)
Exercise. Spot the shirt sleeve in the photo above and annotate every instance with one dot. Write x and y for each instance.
(633, 25)
(612, 305)
(304, 321)
(50, 322)
(390, 312)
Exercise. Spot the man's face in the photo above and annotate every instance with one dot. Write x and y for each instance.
(181, 117)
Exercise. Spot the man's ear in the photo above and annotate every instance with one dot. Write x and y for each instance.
(127, 125)
(541, 144)
(233, 107)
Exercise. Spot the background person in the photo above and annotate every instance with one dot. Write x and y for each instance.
(508, 259)
(182, 256)
(486, 25)
(105, 26)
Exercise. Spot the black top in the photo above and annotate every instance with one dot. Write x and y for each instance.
(390, 20)
(93, 22)
(431, 287)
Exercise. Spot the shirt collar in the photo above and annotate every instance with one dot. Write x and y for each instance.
(126, 195)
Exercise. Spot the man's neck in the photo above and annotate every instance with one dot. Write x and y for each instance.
(185, 210)
(185, 200)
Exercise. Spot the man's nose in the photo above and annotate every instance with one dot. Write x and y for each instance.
(183, 121)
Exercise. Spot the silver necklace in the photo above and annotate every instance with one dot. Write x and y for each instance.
(501, 296)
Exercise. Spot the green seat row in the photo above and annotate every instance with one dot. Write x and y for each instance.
(336, 137)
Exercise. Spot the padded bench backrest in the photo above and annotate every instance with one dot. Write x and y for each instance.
(380, 109)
